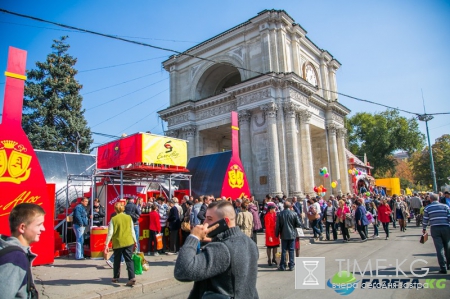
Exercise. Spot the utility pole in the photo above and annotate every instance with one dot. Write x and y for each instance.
(426, 117)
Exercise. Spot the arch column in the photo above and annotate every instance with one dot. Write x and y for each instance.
(295, 177)
(273, 170)
(342, 134)
(190, 137)
(246, 143)
(334, 156)
(308, 173)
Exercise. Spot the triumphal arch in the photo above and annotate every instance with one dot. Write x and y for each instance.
(283, 86)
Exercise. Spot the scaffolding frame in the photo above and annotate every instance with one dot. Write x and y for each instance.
(118, 177)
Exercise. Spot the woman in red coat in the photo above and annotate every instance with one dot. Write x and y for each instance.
(384, 211)
(155, 228)
(272, 241)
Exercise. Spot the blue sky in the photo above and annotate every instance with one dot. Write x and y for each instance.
(389, 51)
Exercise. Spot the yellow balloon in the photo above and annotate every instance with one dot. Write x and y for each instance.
(350, 171)
(333, 185)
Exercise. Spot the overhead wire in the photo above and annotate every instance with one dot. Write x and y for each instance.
(201, 58)
(145, 117)
(67, 30)
(116, 65)
(134, 91)
(117, 84)
(123, 111)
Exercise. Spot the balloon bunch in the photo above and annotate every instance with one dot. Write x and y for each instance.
(334, 184)
(321, 190)
(354, 172)
(324, 172)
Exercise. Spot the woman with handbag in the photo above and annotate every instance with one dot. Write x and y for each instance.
(245, 220)
(121, 233)
(272, 241)
(186, 224)
(402, 213)
(373, 210)
(361, 219)
(384, 213)
(341, 216)
(155, 228)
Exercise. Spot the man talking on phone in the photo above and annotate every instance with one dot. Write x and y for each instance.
(227, 266)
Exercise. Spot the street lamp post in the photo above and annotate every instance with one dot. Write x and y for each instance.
(426, 118)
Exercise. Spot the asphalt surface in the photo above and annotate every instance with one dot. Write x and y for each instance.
(68, 278)
(401, 245)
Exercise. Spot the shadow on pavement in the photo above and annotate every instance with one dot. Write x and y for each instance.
(69, 282)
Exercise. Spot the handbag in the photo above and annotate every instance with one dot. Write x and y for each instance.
(424, 238)
(300, 232)
(159, 242)
(349, 223)
(137, 261)
(185, 226)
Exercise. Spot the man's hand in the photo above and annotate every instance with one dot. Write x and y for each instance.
(106, 251)
(201, 230)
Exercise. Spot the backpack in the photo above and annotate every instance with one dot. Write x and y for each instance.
(31, 288)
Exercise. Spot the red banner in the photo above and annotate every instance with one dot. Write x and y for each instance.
(113, 196)
(21, 177)
(120, 152)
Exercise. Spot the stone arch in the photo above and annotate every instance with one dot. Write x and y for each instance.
(212, 78)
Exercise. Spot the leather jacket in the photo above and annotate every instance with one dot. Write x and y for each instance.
(287, 222)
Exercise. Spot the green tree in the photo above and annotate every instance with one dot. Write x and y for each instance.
(379, 135)
(53, 117)
(420, 162)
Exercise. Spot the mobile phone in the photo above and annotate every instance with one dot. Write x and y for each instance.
(223, 226)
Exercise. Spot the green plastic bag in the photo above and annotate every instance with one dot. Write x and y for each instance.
(137, 261)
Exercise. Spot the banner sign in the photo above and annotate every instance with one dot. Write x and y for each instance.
(164, 150)
(143, 148)
(21, 176)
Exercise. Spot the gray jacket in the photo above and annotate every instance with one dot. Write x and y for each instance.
(13, 280)
(231, 258)
(287, 222)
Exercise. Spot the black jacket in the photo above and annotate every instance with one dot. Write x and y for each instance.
(131, 209)
(202, 213)
(287, 222)
(98, 216)
(174, 219)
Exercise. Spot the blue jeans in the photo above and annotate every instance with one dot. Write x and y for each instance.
(375, 228)
(79, 236)
(136, 232)
(287, 245)
(315, 228)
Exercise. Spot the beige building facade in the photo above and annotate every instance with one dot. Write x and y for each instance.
(284, 89)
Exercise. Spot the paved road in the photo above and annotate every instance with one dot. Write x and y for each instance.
(401, 246)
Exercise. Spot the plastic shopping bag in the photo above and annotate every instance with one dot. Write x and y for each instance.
(159, 242)
(137, 261)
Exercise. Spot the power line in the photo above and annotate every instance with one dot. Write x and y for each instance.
(116, 65)
(147, 115)
(117, 84)
(123, 111)
(105, 135)
(99, 105)
(200, 58)
(138, 37)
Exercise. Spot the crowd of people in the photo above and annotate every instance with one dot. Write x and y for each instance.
(217, 231)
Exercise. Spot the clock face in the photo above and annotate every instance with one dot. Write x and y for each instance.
(310, 75)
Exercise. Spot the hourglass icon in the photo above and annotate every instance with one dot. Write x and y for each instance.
(310, 279)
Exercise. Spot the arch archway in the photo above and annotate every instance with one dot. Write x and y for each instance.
(213, 78)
